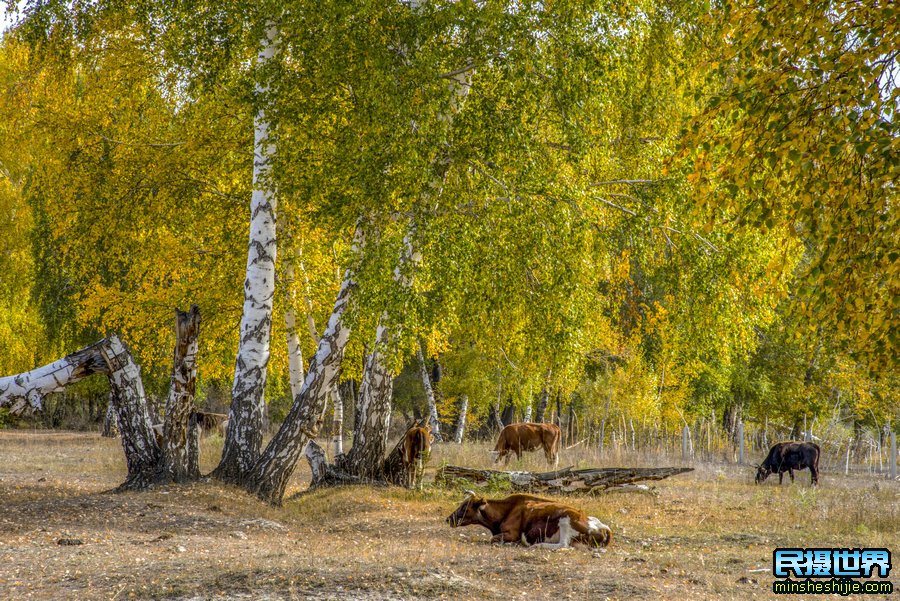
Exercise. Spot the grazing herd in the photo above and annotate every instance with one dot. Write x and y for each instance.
(532, 520)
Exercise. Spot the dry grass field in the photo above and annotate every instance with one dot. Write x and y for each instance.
(708, 534)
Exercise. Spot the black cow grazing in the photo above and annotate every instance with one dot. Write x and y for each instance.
(790, 456)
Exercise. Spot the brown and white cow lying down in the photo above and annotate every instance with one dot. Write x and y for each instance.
(516, 438)
(531, 520)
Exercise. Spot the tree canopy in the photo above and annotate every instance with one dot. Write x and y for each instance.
(693, 204)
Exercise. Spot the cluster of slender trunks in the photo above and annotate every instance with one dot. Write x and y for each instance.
(173, 456)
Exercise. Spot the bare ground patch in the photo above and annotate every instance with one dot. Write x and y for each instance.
(705, 536)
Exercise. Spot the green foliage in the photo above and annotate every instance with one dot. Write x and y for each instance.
(799, 140)
(570, 234)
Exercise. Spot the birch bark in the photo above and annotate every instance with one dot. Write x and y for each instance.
(370, 429)
(243, 437)
(142, 454)
(25, 391)
(111, 357)
(295, 354)
(269, 475)
(461, 420)
(542, 405)
(337, 424)
(176, 464)
(429, 397)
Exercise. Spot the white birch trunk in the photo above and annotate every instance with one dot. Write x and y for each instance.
(461, 420)
(374, 416)
(270, 474)
(337, 437)
(244, 434)
(310, 320)
(295, 354)
(142, 453)
(112, 358)
(110, 428)
(176, 464)
(542, 406)
(429, 396)
(25, 391)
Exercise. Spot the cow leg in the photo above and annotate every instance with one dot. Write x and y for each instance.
(814, 476)
(593, 533)
(566, 533)
(791, 471)
(780, 477)
(551, 458)
(510, 535)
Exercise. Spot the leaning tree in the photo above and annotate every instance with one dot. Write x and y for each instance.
(152, 458)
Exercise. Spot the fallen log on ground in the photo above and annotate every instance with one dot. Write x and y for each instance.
(567, 480)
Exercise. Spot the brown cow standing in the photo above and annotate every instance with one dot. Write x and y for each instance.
(516, 438)
(415, 451)
(531, 520)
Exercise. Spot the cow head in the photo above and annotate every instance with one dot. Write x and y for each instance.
(468, 512)
(428, 438)
(762, 472)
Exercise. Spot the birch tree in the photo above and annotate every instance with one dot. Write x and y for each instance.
(295, 353)
(429, 397)
(276, 464)
(808, 96)
(177, 465)
(461, 419)
(244, 434)
(147, 462)
(373, 418)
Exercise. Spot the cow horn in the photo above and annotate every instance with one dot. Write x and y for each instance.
(470, 493)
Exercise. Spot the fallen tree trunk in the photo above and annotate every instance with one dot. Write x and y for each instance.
(566, 480)
(148, 463)
(25, 391)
